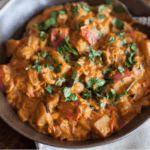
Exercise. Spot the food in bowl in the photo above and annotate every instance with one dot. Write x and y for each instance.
(78, 72)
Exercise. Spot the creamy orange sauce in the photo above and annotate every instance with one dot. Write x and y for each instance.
(78, 72)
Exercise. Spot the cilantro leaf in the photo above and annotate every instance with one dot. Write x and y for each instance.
(69, 95)
(121, 34)
(121, 69)
(39, 68)
(111, 40)
(100, 8)
(75, 9)
(55, 61)
(85, 7)
(75, 73)
(107, 70)
(141, 68)
(43, 26)
(118, 23)
(49, 88)
(123, 42)
(50, 66)
(49, 57)
(101, 104)
(100, 16)
(42, 35)
(45, 53)
(94, 53)
(61, 79)
(91, 19)
(98, 82)
(58, 69)
(87, 94)
(113, 91)
(91, 106)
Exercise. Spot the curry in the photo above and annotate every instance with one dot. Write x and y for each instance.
(78, 72)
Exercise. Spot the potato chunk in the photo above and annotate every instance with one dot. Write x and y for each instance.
(41, 114)
(103, 125)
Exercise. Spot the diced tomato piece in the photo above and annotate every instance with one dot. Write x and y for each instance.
(17, 43)
(70, 115)
(111, 107)
(57, 35)
(117, 76)
(76, 103)
(112, 124)
(121, 123)
(2, 86)
(88, 35)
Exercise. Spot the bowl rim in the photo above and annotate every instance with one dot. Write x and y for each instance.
(60, 145)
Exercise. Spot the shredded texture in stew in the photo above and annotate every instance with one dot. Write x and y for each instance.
(78, 72)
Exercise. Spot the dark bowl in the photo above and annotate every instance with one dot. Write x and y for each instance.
(14, 17)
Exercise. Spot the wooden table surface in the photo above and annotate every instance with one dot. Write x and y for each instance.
(10, 139)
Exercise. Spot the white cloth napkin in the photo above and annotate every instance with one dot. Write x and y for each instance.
(139, 139)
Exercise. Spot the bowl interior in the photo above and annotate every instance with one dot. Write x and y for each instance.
(12, 26)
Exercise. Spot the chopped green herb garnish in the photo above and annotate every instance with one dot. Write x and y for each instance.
(141, 68)
(122, 79)
(50, 66)
(75, 74)
(91, 106)
(98, 34)
(93, 53)
(121, 70)
(111, 40)
(82, 23)
(85, 7)
(58, 69)
(75, 9)
(101, 8)
(28, 30)
(97, 81)
(69, 96)
(45, 53)
(121, 34)
(49, 57)
(91, 19)
(100, 16)
(36, 26)
(42, 35)
(125, 92)
(123, 42)
(107, 70)
(87, 94)
(101, 104)
(55, 61)
(118, 23)
(43, 26)
(61, 79)
(39, 68)
(50, 88)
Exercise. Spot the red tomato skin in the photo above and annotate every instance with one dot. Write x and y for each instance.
(88, 35)
(117, 76)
